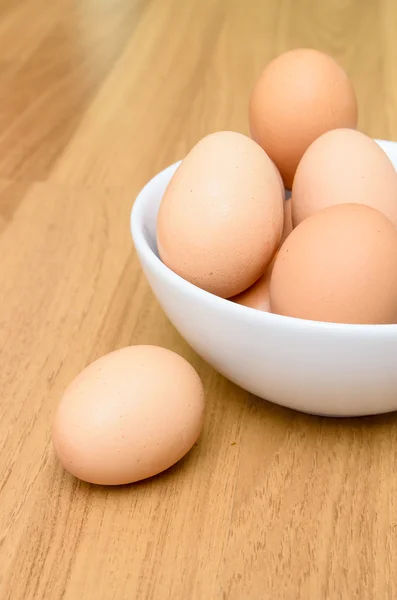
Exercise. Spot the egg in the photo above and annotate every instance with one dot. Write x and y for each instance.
(280, 180)
(300, 95)
(340, 266)
(257, 296)
(288, 227)
(129, 415)
(344, 165)
(221, 217)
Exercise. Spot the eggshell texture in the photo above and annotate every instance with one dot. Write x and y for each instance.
(339, 265)
(221, 216)
(280, 180)
(257, 296)
(344, 165)
(300, 95)
(287, 228)
(129, 415)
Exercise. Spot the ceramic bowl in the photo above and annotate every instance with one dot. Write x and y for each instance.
(314, 367)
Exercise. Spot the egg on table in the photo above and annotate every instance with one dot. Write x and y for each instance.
(129, 415)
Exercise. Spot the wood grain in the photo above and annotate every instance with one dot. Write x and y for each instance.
(95, 97)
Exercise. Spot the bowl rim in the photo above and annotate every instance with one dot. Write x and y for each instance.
(256, 317)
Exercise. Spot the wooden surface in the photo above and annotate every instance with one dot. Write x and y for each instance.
(96, 96)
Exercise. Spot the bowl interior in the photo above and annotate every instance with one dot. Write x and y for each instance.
(144, 214)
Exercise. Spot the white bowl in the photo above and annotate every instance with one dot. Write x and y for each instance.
(314, 367)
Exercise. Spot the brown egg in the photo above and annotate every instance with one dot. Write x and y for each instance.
(300, 95)
(287, 221)
(339, 265)
(344, 165)
(257, 296)
(280, 180)
(129, 415)
(221, 216)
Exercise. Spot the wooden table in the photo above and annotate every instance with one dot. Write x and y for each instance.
(95, 98)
